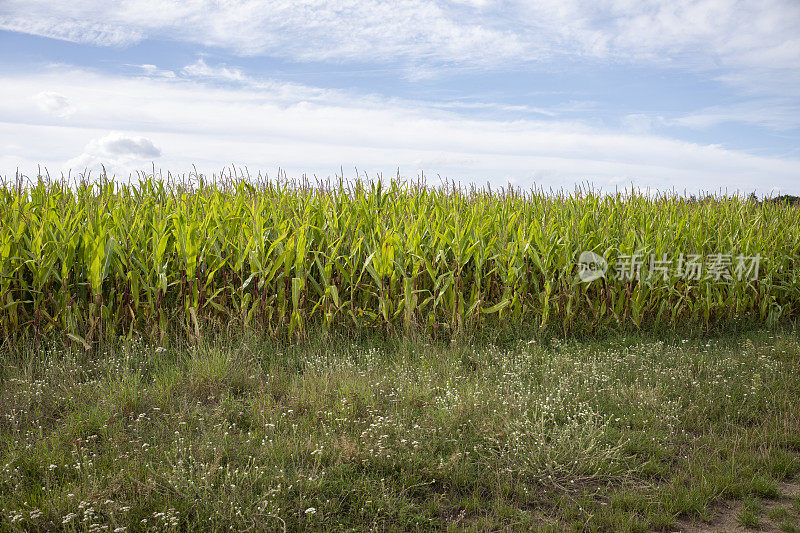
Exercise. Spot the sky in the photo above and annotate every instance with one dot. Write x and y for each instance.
(679, 95)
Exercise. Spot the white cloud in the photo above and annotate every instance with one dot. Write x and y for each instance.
(277, 90)
(54, 103)
(775, 115)
(263, 128)
(640, 123)
(119, 145)
(152, 70)
(695, 33)
(201, 69)
(78, 30)
(119, 153)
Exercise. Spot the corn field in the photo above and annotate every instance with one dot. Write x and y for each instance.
(93, 261)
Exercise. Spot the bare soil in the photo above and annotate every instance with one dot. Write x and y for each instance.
(726, 518)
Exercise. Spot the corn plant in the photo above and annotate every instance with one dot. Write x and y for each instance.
(93, 260)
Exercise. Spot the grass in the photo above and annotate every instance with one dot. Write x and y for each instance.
(749, 515)
(629, 433)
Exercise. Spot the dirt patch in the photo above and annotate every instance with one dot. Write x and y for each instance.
(773, 515)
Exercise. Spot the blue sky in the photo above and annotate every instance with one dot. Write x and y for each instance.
(671, 95)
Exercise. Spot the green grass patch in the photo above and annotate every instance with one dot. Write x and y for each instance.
(397, 433)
